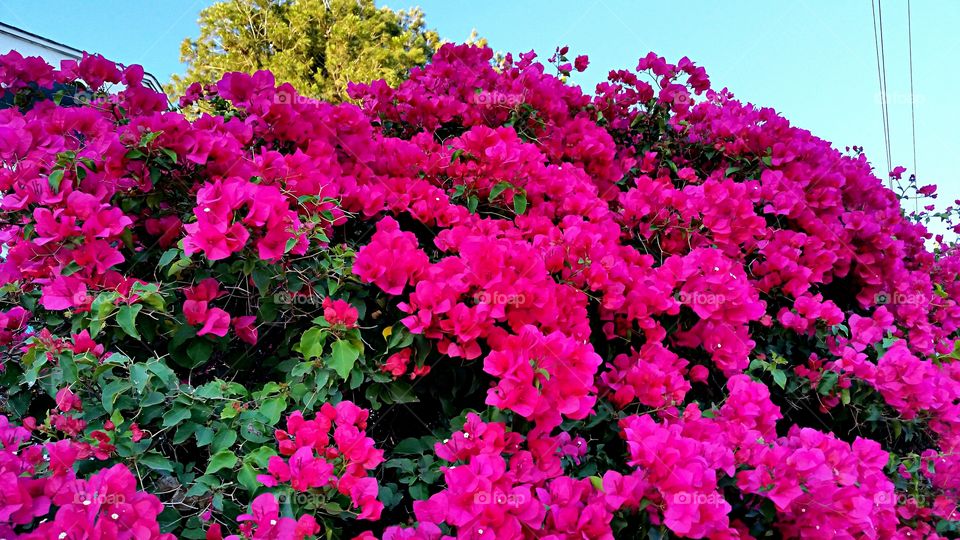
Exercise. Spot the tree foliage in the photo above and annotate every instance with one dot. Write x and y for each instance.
(316, 45)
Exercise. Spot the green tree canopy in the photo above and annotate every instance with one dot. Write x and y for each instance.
(317, 45)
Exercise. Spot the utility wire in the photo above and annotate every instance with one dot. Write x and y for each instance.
(913, 114)
(881, 78)
(886, 95)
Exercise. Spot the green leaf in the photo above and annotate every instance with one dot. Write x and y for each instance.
(148, 137)
(184, 432)
(519, 203)
(273, 408)
(343, 358)
(174, 416)
(419, 491)
(496, 190)
(411, 445)
(312, 341)
(127, 319)
(398, 392)
(55, 179)
(199, 352)
(198, 489)
(159, 368)
(827, 382)
(225, 459)
(139, 376)
(104, 304)
(940, 291)
(170, 154)
(178, 266)
(167, 257)
(597, 483)
(248, 478)
(301, 369)
(69, 368)
(229, 411)
(71, 269)
(153, 398)
(223, 439)
(780, 378)
(204, 435)
(156, 462)
(211, 390)
(110, 391)
(356, 379)
(261, 278)
(148, 295)
(261, 456)
(95, 327)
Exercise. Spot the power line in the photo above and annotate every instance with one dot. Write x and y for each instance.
(913, 114)
(886, 95)
(881, 78)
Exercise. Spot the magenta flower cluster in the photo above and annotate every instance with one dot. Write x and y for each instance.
(577, 261)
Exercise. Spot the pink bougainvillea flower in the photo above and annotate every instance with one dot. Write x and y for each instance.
(65, 292)
(245, 328)
(396, 364)
(339, 313)
(68, 401)
(216, 322)
(391, 260)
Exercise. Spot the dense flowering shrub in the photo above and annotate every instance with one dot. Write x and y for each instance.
(481, 304)
(39, 480)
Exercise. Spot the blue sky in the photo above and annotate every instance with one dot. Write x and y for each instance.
(812, 60)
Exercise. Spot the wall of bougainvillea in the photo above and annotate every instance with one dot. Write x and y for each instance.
(484, 304)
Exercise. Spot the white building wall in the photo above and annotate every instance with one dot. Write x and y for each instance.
(26, 48)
